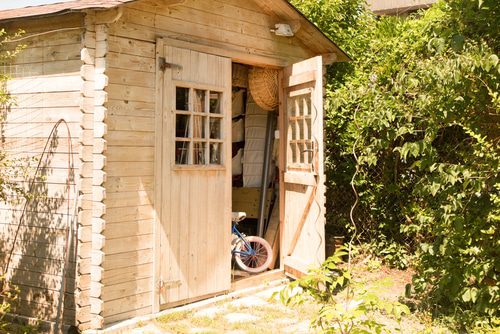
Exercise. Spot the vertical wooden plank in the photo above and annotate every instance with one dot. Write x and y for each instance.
(226, 224)
(211, 215)
(165, 160)
(282, 162)
(185, 214)
(158, 230)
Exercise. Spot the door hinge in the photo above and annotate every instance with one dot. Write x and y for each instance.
(165, 285)
(163, 65)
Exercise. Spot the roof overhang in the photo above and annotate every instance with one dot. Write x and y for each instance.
(310, 35)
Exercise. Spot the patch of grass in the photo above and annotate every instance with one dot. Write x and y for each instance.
(271, 313)
(15, 328)
(204, 321)
(176, 327)
(249, 327)
(306, 311)
(174, 316)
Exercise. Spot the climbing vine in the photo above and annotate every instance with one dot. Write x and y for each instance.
(9, 170)
(420, 105)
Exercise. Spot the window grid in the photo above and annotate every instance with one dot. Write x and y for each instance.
(198, 121)
(300, 132)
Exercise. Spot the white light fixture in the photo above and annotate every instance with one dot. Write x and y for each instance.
(282, 29)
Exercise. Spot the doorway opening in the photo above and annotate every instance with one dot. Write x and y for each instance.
(255, 175)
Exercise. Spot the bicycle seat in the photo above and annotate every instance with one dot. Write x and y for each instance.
(238, 216)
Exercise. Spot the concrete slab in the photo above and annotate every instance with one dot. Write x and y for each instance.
(249, 302)
(240, 317)
(210, 312)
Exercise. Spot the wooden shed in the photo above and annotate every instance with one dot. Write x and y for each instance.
(164, 135)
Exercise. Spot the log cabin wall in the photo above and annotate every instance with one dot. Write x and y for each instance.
(47, 86)
(128, 250)
(232, 28)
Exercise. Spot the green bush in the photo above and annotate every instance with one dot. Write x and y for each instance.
(8, 296)
(346, 308)
(419, 106)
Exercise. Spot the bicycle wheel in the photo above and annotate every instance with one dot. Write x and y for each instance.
(257, 262)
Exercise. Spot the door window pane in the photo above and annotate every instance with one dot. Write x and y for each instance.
(215, 128)
(182, 126)
(300, 132)
(199, 126)
(199, 153)
(199, 100)
(215, 153)
(181, 153)
(215, 102)
(182, 98)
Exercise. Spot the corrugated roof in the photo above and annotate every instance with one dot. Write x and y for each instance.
(75, 5)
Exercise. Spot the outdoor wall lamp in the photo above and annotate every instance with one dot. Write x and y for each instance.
(282, 29)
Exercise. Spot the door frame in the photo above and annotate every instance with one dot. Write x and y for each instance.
(159, 78)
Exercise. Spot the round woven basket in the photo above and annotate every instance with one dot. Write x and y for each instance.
(263, 84)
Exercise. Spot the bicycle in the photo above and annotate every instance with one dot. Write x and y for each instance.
(251, 253)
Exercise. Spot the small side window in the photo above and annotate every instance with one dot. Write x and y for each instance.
(300, 144)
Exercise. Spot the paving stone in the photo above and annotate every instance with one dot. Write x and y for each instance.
(240, 317)
(200, 330)
(300, 328)
(266, 294)
(249, 301)
(210, 312)
(148, 329)
(285, 321)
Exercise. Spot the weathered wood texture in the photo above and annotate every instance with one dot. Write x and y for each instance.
(232, 28)
(302, 188)
(195, 201)
(99, 75)
(94, 96)
(127, 283)
(46, 85)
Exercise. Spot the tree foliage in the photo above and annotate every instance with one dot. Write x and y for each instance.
(420, 106)
(10, 169)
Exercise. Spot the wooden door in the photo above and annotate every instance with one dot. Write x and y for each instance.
(302, 175)
(193, 179)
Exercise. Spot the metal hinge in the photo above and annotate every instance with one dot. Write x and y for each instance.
(165, 285)
(163, 65)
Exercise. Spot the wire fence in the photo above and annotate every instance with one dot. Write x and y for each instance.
(388, 190)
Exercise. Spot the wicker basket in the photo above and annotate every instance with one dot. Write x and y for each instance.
(263, 84)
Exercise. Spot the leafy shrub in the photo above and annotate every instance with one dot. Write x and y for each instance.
(420, 106)
(9, 170)
(8, 296)
(355, 313)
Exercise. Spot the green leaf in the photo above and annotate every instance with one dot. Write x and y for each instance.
(457, 42)
(470, 295)
(493, 60)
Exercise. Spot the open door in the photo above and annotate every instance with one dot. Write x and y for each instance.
(193, 175)
(302, 176)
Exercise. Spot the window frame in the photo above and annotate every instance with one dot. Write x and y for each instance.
(206, 117)
(300, 143)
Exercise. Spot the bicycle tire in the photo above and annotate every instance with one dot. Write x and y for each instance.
(254, 263)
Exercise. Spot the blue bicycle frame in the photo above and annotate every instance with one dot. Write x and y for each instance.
(250, 251)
